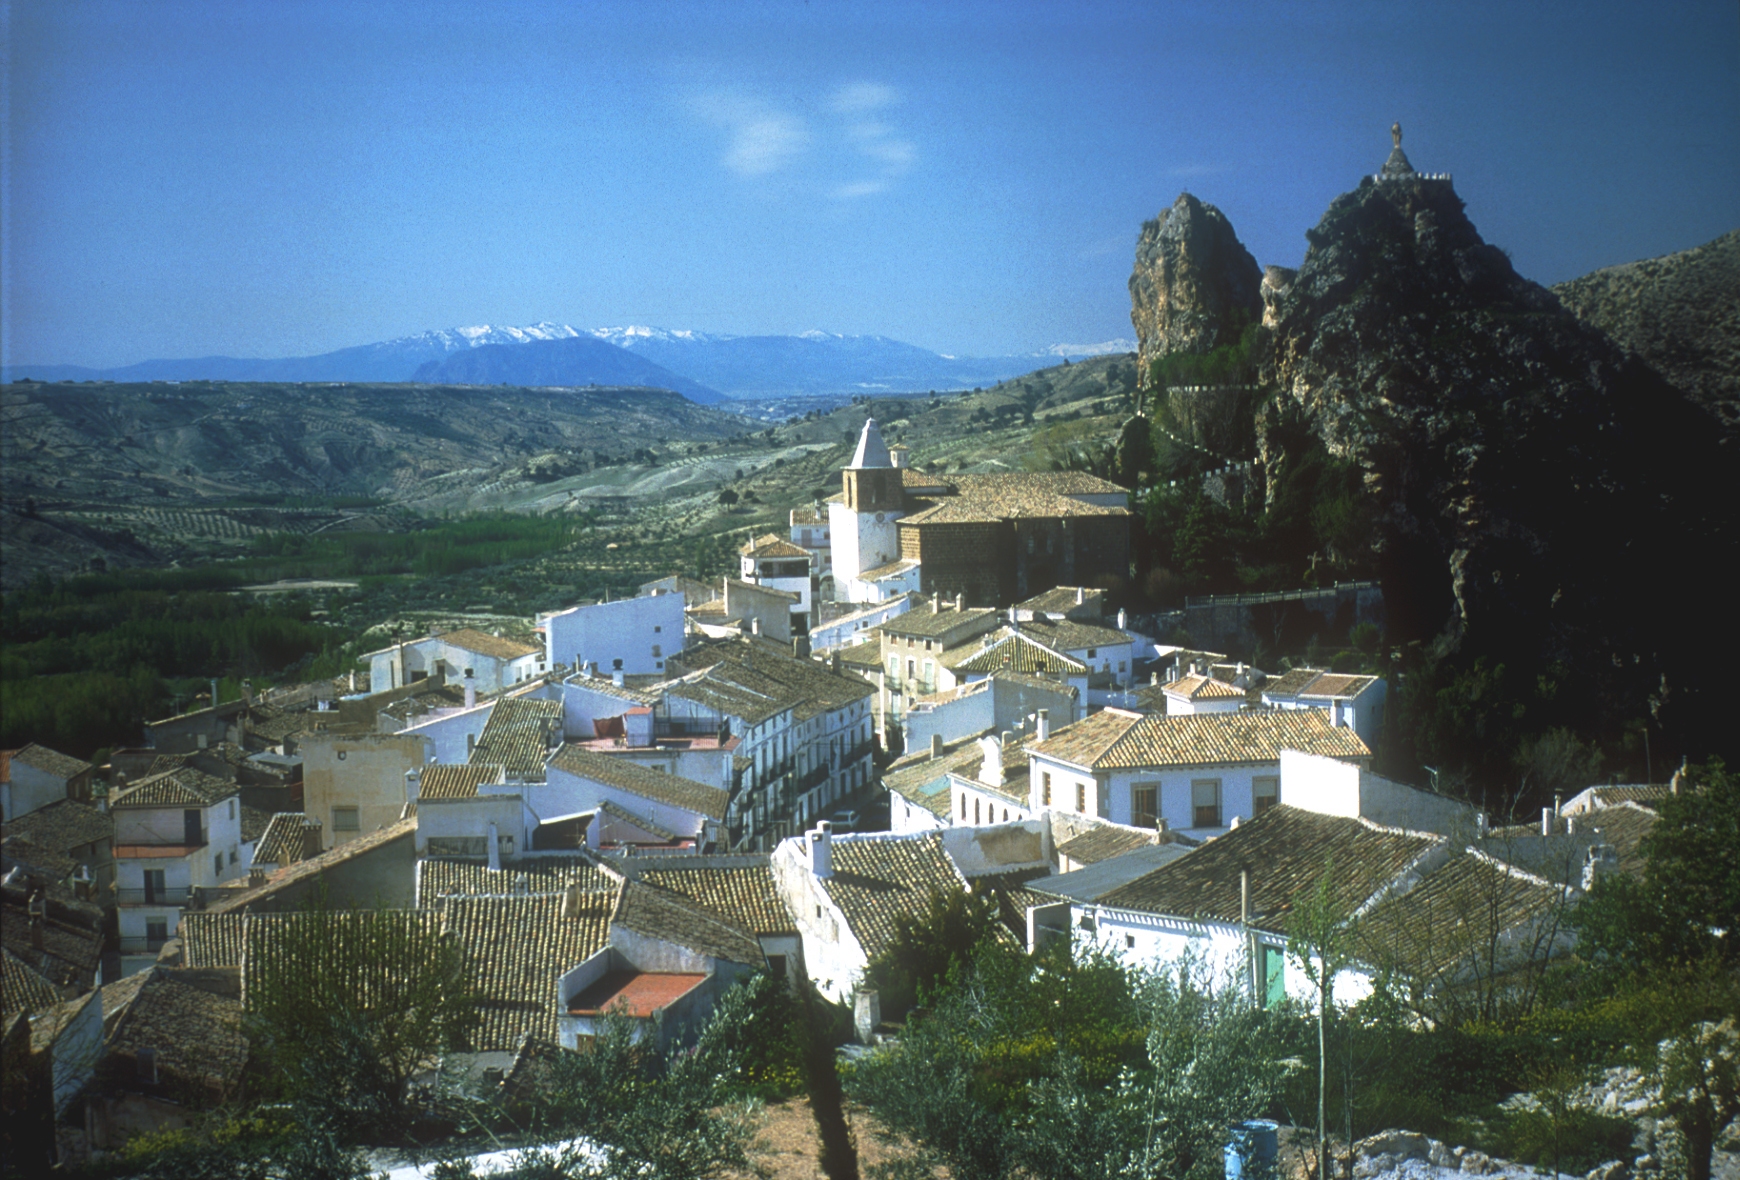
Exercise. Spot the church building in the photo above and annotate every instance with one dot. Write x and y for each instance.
(991, 539)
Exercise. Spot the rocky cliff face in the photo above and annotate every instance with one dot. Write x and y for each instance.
(1681, 313)
(1543, 495)
(1195, 285)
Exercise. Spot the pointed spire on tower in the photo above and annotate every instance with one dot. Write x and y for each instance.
(872, 451)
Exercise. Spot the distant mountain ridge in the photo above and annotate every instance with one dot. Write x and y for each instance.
(576, 360)
(712, 364)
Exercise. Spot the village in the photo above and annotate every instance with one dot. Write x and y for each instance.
(918, 691)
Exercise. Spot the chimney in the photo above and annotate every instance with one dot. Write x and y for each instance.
(959, 598)
(1558, 803)
(1012, 618)
(247, 692)
(1043, 722)
(35, 932)
(936, 604)
(1677, 779)
(1546, 821)
(493, 846)
(310, 840)
(1234, 826)
(1080, 595)
(821, 844)
(1601, 860)
(800, 646)
(353, 679)
(1335, 718)
(936, 745)
(755, 626)
(1161, 826)
(1003, 739)
(834, 661)
(256, 876)
(1482, 825)
(413, 783)
(616, 674)
(1123, 618)
(1154, 679)
(470, 689)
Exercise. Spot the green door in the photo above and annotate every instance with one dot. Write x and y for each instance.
(1274, 979)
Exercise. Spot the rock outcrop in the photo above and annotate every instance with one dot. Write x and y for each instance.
(1538, 489)
(1195, 285)
(1681, 313)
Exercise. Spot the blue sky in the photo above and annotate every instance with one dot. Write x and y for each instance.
(284, 178)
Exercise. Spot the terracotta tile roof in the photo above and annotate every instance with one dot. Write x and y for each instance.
(888, 570)
(1287, 851)
(1204, 739)
(744, 895)
(1334, 684)
(195, 1034)
(185, 787)
(439, 878)
(946, 623)
(302, 939)
(1641, 794)
(23, 988)
(72, 940)
(1204, 688)
(641, 780)
(649, 826)
(36, 858)
(283, 841)
(443, 781)
(1067, 635)
(1014, 652)
(63, 825)
(924, 781)
(985, 498)
(878, 881)
(485, 644)
(518, 948)
(516, 736)
(1624, 826)
(63, 766)
(808, 516)
(636, 994)
(862, 655)
(1105, 841)
(772, 545)
(1289, 684)
(253, 823)
(1451, 920)
(116, 996)
(1060, 600)
(657, 912)
(213, 940)
(760, 682)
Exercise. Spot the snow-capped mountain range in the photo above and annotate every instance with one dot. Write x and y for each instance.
(703, 366)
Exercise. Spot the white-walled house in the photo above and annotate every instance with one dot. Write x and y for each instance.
(680, 811)
(175, 832)
(771, 561)
(631, 635)
(859, 626)
(496, 663)
(1195, 773)
(1227, 903)
(34, 776)
(1201, 694)
(1332, 786)
(846, 894)
(1351, 700)
(990, 704)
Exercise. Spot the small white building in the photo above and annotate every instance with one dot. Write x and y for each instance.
(630, 635)
(1354, 701)
(993, 703)
(809, 531)
(175, 833)
(859, 626)
(1198, 773)
(496, 663)
(769, 560)
(35, 776)
(1194, 694)
(644, 806)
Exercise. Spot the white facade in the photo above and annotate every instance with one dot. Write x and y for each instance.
(1203, 800)
(1361, 710)
(864, 541)
(1331, 787)
(403, 663)
(157, 865)
(854, 628)
(29, 788)
(565, 793)
(632, 635)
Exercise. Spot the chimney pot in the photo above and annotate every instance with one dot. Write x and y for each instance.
(959, 598)
(1004, 738)
(1043, 724)
(1546, 821)
(1123, 618)
(1080, 595)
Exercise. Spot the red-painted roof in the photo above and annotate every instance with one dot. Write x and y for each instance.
(634, 993)
(151, 851)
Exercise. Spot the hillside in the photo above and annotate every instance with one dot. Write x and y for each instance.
(580, 360)
(1681, 313)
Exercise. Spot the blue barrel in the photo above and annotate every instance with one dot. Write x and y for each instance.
(1251, 1149)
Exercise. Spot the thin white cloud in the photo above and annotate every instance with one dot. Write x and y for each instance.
(858, 97)
(861, 188)
(762, 140)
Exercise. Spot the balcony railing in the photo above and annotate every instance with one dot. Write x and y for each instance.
(859, 752)
(169, 897)
(142, 946)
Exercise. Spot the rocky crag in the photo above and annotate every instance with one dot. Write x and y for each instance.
(1681, 313)
(1542, 495)
(1195, 285)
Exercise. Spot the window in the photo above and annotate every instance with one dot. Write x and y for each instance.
(1205, 801)
(1092, 651)
(975, 812)
(232, 856)
(657, 629)
(963, 809)
(658, 650)
(217, 864)
(1045, 787)
(1129, 942)
(156, 929)
(1265, 793)
(232, 809)
(910, 669)
(1145, 805)
(1081, 797)
(154, 886)
(344, 819)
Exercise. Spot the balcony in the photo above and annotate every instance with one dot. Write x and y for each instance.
(174, 896)
(142, 946)
(859, 752)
